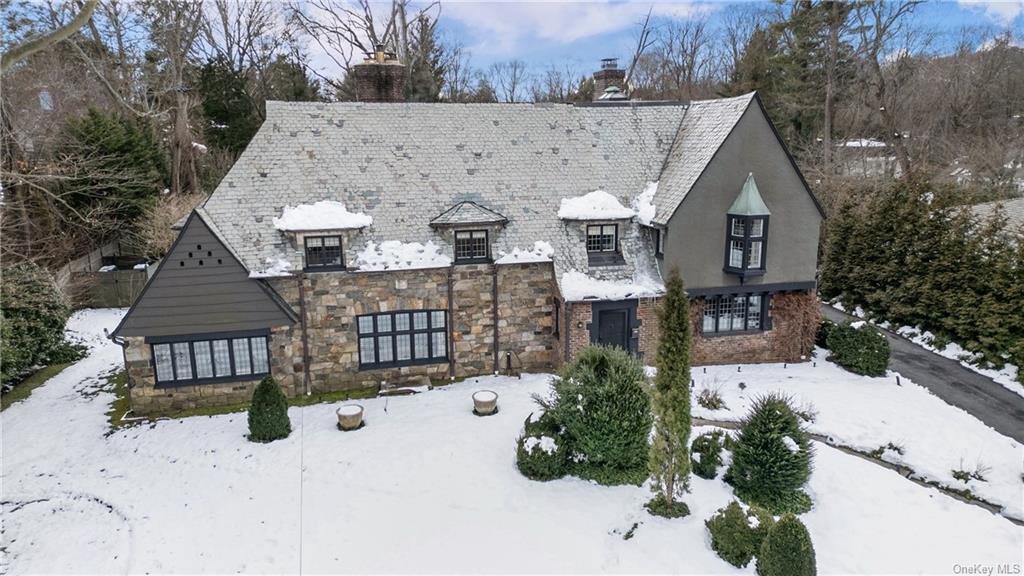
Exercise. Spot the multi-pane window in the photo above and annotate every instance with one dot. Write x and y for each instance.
(471, 245)
(402, 338)
(745, 244)
(730, 313)
(602, 238)
(197, 361)
(323, 252)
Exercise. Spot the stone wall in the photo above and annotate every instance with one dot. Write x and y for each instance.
(525, 323)
(147, 398)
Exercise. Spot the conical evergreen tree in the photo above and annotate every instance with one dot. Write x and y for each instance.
(670, 450)
(268, 412)
(787, 550)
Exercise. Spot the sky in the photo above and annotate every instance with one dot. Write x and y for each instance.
(579, 34)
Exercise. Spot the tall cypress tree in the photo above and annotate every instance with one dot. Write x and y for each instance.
(670, 451)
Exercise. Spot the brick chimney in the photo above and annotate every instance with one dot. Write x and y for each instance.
(380, 78)
(609, 75)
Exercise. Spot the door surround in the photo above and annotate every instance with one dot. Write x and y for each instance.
(632, 322)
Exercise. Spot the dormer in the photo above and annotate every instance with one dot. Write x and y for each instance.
(471, 228)
(746, 235)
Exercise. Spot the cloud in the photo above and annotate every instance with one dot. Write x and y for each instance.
(1001, 11)
(504, 26)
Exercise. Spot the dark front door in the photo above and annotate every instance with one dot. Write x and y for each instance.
(613, 328)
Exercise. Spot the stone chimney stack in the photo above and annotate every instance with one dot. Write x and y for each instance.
(609, 75)
(380, 78)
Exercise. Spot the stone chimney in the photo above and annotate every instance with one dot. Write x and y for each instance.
(609, 75)
(380, 78)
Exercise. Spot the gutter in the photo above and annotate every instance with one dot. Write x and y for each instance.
(306, 379)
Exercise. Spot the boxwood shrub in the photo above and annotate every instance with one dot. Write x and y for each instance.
(542, 451)
(706, 454)
(787, 550)
(601, 403)
(268, 413)
(860, 348)
(737, 534)
(34, 312)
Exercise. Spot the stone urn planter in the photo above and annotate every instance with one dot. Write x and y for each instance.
(485, 402)
(350, 417)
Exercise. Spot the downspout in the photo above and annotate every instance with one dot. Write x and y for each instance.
(306, 379)
(494, 311)
(451, 324)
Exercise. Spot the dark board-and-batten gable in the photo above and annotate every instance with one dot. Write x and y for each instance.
(200, 287)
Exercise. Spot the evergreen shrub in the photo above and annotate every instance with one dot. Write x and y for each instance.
(542, 451)
(787, 550)
(268, 412)
(737, 534)
(771, 457)
(34, 312)
(860, 348)
(707, 454)
(824, 329)
(601, 403)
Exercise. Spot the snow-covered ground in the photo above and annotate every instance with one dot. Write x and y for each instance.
(425, 487)
(869, 413)
(1006, 377)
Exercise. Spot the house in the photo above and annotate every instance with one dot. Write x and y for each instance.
(355, 246)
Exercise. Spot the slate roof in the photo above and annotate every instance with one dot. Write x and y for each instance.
(708, 123)
(467, 213)
(1012, 209)
(404, 164)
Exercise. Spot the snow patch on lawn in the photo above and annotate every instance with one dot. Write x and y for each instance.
(541, 252)
(869, 413)
(322, 215)
(596, 205)
(396, 255)
(194, 495)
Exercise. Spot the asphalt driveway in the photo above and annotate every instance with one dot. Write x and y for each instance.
(988, 401)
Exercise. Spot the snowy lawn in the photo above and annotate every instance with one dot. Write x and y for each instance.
(870, 413)
(425, 487)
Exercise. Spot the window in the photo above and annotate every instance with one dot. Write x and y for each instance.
(323, 252)
(602, 238)
(745, 245)
(730, 313)
(471, 246)
(195, 361)
(402, 338)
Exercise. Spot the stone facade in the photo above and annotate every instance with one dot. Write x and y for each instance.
(524, 318)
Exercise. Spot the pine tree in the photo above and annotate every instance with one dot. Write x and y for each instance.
(232, 117)
(426, 67)
(670, 450)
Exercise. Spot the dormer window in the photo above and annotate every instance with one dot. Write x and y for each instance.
(603, 245)
(746, 244)
(324, 253)
(471, 246)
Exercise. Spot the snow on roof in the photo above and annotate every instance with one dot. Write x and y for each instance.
(596, 205)
(322, 215)
(644, 204)
(577, 287)
(541, 252)
(863, 143)
(396, 255)
(275, 268)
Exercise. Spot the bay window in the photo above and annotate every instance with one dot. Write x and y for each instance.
(746, 245)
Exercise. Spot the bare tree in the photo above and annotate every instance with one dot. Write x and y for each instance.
(458, 73)
(63, 32)
(345, 30)
(644, 39)
(738, 23)
(510, 80)
(885, 43)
